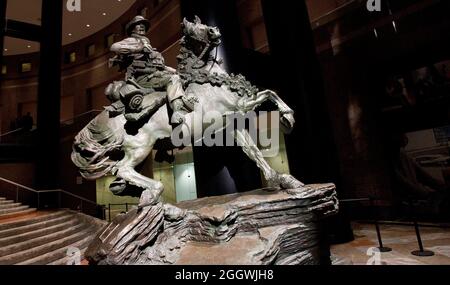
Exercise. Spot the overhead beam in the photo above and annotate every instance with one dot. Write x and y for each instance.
(21, 30)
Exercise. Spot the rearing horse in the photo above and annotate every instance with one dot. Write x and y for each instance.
(106, 146)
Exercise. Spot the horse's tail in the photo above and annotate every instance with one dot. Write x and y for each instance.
(98, 147)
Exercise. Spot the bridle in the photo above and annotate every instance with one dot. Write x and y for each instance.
(202, 54)
(215, 58)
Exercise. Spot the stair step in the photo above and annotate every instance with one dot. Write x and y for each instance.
(38, 219)
(41, 246)
(37, 233)
(1, 198)
(35, 242)
(59, 256)
(50, 220)
(13, 210)
(9, 206)
(13, 214)
(3, 202)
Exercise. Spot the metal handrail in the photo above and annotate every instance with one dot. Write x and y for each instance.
(124, 204)
(62, 122)
(69, 194)
(81, 115)
(11, 132)
(120, 204)
(20, 186)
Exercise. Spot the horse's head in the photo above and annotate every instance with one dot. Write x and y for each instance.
(199, 37)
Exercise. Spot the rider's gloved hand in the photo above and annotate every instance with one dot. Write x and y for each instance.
(178, 111)
(178, 117)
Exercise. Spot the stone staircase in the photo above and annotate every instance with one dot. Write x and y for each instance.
(46, 238)
(10, 209)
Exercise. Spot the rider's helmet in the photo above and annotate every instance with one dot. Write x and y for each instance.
(137, 21)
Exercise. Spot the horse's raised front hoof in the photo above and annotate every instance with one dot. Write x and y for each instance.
(287, 123)
(148, 198)
(289, 183)
(118, 186)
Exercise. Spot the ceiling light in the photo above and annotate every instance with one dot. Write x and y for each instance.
(104, 14)
(69, 34)
(88, 25)
(28, 46)
(6, 49)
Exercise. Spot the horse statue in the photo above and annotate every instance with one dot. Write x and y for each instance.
(115, 143)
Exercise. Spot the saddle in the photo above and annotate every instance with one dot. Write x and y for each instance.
(132, 100)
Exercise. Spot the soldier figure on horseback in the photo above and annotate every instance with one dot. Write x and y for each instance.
(146, 73)
(119, 139)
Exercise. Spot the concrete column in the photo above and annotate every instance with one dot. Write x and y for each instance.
(222, 170)
(2, 26)
(311, 151)
(49, 96)
(310, 148)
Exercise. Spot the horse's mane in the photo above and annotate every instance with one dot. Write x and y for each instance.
(192, 69)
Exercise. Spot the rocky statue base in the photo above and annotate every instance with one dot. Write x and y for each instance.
(255, 228)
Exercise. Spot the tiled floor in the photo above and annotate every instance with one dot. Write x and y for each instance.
(401, 239)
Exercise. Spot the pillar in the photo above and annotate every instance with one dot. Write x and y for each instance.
(49, 96)
(3, 125)
(222, 170)
(300, 84)
(2, 26)
(311, 148)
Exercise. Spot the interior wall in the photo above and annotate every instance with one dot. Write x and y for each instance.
(67, 104)
(317, 9)
(88, 73)
(97, 98)
(83, 84)
(22, 173)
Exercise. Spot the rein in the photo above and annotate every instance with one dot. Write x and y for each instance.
(215, 59)
(201, 56)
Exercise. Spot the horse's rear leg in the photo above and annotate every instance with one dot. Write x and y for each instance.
(152, 188)
(136, 151)
(274, 179)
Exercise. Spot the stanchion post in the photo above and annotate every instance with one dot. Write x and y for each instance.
(377, 227)
(421, 252)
